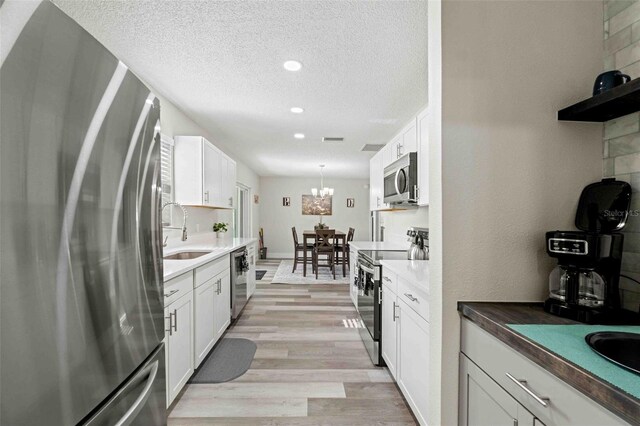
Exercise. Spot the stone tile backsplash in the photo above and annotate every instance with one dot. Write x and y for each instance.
(621, 137)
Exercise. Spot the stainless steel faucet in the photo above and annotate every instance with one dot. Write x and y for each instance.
(184, 219)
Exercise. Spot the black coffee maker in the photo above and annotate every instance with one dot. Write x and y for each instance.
(584, 285)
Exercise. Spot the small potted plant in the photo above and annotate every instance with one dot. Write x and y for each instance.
(220, 228)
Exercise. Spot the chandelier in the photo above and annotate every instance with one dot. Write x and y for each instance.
(324, 191)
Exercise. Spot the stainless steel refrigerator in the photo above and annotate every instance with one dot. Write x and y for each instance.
(81, 301)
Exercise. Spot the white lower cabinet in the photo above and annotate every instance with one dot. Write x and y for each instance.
(484, 403)
(205, 336)
(405, 348)
(353, 274)
(488, 396)
(252, 251)
(222, 303)
(197, 313)
(179, 344)
(389, 330)
(413, 359)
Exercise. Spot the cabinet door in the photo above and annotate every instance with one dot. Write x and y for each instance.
(413, 359)
(389, 330)
(390, 151)
(222, 306)
(211, 169)
(352, 277)
(374, 188)
(409, 139)
(204, 332)
(484, 403)
(251, 277)
(179, 345)
(423, 159)
(231, 183)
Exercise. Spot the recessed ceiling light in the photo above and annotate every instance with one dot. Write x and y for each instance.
(292, 66)
(299, 136)
(297, 110)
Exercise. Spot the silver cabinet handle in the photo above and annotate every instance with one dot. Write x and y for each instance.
(413, 299)
(523, 385)
(170, 325)
(386, 279)
(175, 320)
(206, 196)
(231, 201)
(394, 312)
(379, 295)
(219, 286)
(171, 293)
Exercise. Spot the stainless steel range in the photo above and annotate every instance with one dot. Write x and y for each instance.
(370, 297)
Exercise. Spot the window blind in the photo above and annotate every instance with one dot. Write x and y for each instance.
(166, 169)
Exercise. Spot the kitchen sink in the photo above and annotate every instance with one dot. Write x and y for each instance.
(185, 255)
(618, 347)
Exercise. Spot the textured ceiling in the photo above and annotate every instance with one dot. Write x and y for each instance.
(363, 76)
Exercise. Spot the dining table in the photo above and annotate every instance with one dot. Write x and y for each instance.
(309, 237)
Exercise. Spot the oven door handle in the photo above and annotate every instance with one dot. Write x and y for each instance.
(367, 270)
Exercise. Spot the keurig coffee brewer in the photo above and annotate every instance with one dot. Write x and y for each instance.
(584, 285)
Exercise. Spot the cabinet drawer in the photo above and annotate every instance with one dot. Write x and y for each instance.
(207, 271)
(565, 405)
(390, 280)
(414, 297)
(177, 287)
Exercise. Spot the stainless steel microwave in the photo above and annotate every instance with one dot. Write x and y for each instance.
(401, 180)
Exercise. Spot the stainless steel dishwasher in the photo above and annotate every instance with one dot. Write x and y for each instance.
(239, 269)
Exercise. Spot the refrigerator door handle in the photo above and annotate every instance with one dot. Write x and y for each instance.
(156, 226)
(142, 398)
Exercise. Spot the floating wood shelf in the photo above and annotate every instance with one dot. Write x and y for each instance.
(614, 103)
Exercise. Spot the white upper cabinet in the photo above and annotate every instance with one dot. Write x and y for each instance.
(422, 147)
(376, 182)
(204, 175)
(390, 151)
(403, 143)
(409, 139)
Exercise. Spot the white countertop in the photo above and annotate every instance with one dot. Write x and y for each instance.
(200, 242)
(378, 245)
(415, 272)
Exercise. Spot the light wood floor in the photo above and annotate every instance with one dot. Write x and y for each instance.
(310, 368)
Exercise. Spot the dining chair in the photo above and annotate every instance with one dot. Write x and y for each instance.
(325, 245)
(299, 249)
(343, 255)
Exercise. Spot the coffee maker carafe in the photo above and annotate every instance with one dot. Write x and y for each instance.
(584, 285)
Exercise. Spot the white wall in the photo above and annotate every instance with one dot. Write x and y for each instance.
(174, 123)
(510, 170)
(277, 220)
